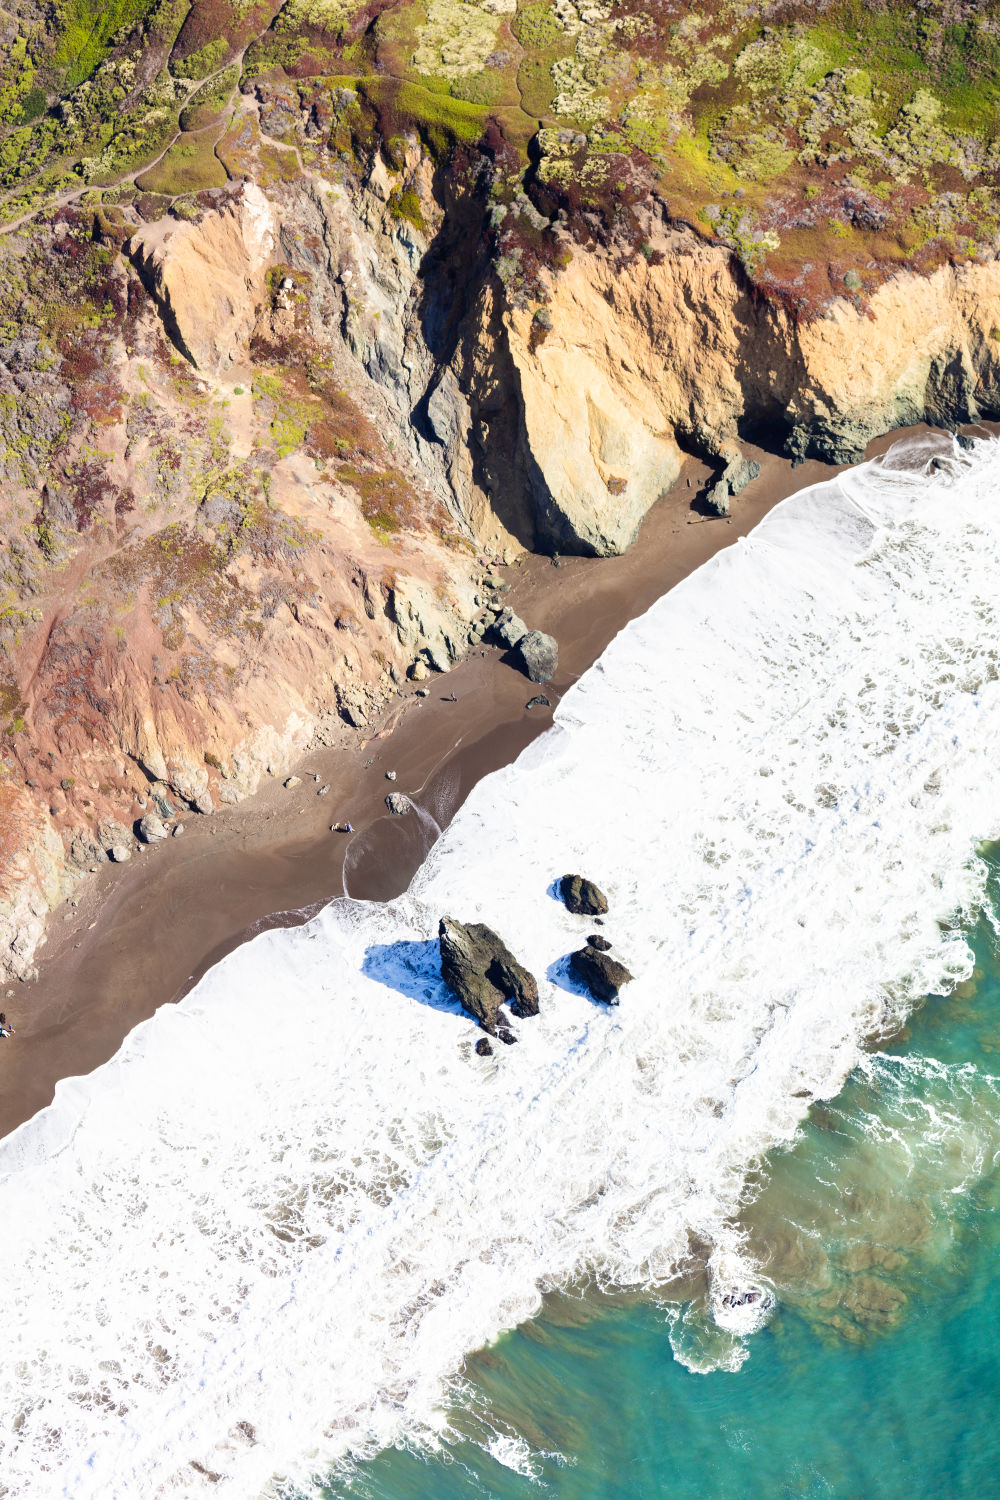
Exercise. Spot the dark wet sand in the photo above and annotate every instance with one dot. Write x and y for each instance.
(144, 932)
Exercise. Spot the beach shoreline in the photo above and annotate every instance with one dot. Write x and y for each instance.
(144, 933)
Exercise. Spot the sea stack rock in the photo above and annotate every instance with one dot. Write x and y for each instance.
(479, 968)
(582, 896)
(602, 974)
(537, 655)
(398, 804)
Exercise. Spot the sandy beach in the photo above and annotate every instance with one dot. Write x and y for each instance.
(143, 933)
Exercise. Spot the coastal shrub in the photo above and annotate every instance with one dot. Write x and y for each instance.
(199, 64)
(208, 103)
(405, 204)
(86, 29)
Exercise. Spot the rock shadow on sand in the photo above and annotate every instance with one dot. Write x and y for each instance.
(414, 970)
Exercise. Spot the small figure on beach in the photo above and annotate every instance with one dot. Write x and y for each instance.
(451, 697)
(6, 1029)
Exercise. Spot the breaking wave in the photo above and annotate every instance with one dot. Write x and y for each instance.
(260, 1241)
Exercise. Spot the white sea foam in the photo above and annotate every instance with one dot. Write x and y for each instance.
(264, 1236)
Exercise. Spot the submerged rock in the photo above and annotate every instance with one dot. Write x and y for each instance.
(600, 943)
(602, 974)
(479, 968)
(582, 896)
(538, 701)
(483, 1048)
(537, 655)
(398, 804)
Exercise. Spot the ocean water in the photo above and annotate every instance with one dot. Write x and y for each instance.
(878, 1374)
(260, 1246)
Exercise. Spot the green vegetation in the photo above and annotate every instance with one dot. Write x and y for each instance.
(200, 64)
(188, 167)
(87, 30)
(866, 128)
(207, 104)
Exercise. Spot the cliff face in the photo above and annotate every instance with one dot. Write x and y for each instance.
(256, 456)
(216, 546)
(646, 359)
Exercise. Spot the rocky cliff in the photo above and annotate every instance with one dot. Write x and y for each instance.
(260, 442)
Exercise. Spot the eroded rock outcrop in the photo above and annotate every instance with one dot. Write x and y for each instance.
(479, 968)
(209, 277)
(602, 975)
(582, 896)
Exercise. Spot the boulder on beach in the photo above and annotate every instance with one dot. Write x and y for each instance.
(509, 628)
(600, 943)
(602, 974)
(203, 804)
(537, 655)
(479, 968)
(738, 473)
(582, 896)
(151, 829)
(398, 804)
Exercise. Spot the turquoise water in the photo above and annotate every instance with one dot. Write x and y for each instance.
(877, 1377)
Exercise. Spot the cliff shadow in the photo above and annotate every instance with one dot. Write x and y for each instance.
(413, 969)
(462, 328)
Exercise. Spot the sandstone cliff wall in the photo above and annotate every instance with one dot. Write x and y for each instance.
(648, 359)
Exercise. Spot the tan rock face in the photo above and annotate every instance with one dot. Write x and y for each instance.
(209, 277)
(646, 360)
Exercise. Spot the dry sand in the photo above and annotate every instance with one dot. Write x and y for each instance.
(144, 932)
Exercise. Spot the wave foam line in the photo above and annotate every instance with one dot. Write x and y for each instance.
(262, 1238)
